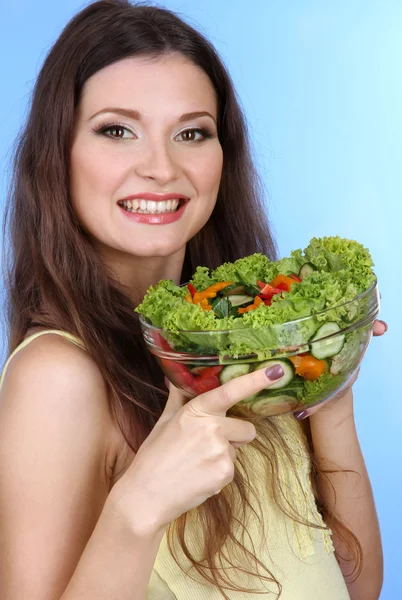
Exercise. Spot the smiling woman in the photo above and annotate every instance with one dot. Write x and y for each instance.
(134, 166)
(166, 148)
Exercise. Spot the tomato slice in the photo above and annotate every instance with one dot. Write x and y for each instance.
(160, 341)
(179, 372)
(206, 384)
(210, 372)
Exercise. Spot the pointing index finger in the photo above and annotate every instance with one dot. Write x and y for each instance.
(218, 401)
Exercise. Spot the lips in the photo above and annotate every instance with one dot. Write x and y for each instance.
(163, 218)
(153, 203)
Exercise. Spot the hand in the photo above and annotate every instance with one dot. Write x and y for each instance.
(380, 327)
(190, 453)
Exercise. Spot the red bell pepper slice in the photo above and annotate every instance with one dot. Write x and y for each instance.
(284, 287)
(267, 290)
(295, 277)
(191, 289)
(210, 372)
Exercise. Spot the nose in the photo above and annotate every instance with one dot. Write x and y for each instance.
(157, 162)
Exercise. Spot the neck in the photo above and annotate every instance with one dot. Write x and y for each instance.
(136, 273)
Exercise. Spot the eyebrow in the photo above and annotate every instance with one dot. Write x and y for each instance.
(136, 115)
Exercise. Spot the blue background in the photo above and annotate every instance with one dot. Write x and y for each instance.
(321, 84)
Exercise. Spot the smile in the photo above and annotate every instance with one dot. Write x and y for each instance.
(143, 206)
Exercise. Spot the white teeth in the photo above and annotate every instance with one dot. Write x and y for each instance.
(150, 206)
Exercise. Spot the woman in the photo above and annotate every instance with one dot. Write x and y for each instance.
(134, 166)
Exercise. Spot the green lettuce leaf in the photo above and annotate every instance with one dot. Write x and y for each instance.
(335, 253)
(161, 300)
(248, 269)
(321, 388)
(202, 279)
(286, 266)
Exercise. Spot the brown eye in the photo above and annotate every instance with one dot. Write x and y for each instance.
(117, 130)
(197, 134)
(189, 135)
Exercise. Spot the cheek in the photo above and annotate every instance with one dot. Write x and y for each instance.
(87, 171)
(91, 180)
(207, 172)
(206, 177)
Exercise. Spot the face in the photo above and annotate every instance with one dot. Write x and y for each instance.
(146, 128)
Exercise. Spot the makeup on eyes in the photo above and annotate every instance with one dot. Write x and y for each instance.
(102, 128)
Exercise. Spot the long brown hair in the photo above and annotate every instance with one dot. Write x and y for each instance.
(56, 278)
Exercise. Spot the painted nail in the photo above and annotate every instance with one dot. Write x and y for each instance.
(275, 372)
(301, 415)
(385, 325)
(167, 382)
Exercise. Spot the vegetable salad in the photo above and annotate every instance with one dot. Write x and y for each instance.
(254, 312)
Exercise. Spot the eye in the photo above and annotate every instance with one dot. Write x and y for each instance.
(197, 134)
(116, 131)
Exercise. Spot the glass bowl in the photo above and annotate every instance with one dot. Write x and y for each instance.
(319, 355)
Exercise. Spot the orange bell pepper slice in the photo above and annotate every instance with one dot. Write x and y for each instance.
(308, 367)
(211, 291)
(257, 302)
(204, 304)
(283, 283)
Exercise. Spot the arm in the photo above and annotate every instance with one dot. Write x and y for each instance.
(117, 561)
(59, 529)
(336, 445)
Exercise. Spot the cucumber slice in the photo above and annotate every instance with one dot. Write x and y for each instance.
(234, 288)
(306, 270)
(252, 290)
(294, 389)
(240, 299)
(330, 347)
(288, 370)
(232, 371)
(267, 405)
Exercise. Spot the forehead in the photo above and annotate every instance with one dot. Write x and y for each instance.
(170, 83)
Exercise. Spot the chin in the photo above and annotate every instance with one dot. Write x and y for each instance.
(156, 249)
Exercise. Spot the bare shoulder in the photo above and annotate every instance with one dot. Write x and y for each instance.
(56, 383)
(54, 352)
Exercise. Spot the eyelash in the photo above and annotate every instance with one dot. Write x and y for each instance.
(204, 131)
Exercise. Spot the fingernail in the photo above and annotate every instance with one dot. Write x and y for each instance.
(167, 382)
(275, 372)
(301, 415)
(385, 325)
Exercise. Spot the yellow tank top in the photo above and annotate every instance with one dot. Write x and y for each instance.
(302, 559)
